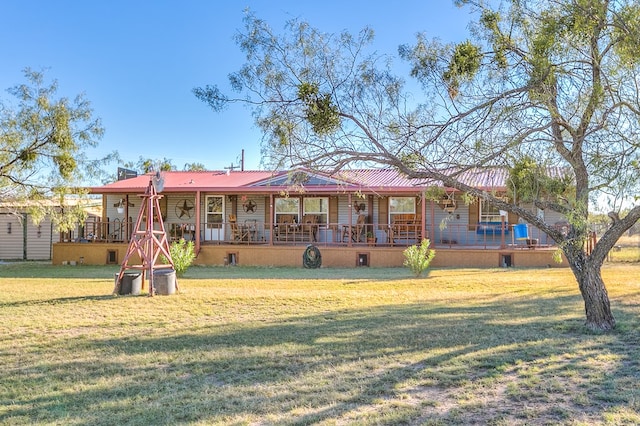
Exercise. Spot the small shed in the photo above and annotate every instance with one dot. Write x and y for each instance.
(22, 239)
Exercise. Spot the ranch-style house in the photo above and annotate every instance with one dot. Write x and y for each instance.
(355, 218)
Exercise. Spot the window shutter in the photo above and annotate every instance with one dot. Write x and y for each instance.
(234, 206)
(383, 211)
(267, 212)
(333, 212)
(474, 214)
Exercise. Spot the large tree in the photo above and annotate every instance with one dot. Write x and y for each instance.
(43, 143)
(541, 83)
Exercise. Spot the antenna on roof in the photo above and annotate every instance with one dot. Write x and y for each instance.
(232, 167)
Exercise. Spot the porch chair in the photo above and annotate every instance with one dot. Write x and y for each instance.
(285, 224)
(251, 226)
(357, 232)
(286, 219)
(405, 228)
(237, 233)
(309, 226)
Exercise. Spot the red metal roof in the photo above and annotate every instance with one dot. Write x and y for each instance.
(489, 178)
(177, 181)
(378, 178)
(375, 180)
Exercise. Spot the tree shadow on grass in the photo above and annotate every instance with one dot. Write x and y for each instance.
(56, 301)
(509, 362)
(47, 270)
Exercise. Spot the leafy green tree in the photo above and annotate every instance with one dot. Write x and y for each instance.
(43, 143)
(194, 167)
(183, 255)
(418, 257)
(552, 80)
(147, 165)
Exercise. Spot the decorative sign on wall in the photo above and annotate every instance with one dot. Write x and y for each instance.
(184, 209)
(249, 206)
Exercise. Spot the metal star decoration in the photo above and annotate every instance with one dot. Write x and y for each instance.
(184, 209)
(249, 206)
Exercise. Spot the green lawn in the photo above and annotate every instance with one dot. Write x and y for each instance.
(329, 346)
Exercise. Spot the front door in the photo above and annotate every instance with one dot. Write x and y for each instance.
(214, 226)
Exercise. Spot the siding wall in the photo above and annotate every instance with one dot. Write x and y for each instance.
(39, 240)
(20, 239)
(11, 236)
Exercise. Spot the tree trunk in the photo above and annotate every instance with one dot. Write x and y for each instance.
(594, 294)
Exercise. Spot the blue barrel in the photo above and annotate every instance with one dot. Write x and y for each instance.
(520, 231)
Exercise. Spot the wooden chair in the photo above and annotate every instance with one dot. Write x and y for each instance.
(357, 232)
(237, 233)
(361, 228)
(309, 226)
(405, 228)
(251, 227)
(285, 223)
(286, 219)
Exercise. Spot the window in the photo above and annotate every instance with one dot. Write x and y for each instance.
(288, 206)
(401, 205)
(318, 206)
(489, 213)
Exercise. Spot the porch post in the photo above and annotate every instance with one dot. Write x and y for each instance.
(271, 219)
(423, 214)
(433, 220)
(197, 222)
(350, 219)
(127, 225)
(502, 228)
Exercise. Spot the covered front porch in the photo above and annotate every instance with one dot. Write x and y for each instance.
(365, 219)
(402, 232)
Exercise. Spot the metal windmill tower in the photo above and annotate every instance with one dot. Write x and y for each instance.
(146, 242)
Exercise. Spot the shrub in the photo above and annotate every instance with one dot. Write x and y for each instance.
(418, 257)
(183, 254)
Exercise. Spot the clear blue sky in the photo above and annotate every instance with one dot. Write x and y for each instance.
(137, 62)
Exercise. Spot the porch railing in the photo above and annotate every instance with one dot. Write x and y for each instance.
(252, 232)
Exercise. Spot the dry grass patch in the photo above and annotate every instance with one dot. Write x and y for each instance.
(328, 346)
